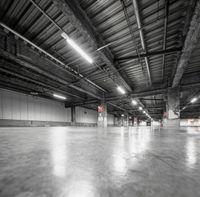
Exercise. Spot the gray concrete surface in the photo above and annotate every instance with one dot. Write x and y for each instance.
(91, 162)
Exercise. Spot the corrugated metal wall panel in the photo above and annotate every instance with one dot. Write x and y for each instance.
(17, 106)
(84, 115)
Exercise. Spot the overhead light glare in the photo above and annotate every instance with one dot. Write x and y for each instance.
(140, 108)
(194, 100)
(134, 102)
(122, 115)
(77, 48)
(59, 96)
(121, 90)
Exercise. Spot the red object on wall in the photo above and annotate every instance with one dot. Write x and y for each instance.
(165, 114)
(100, 108)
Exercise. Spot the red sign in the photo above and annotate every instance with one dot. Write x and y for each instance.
(100, 108)
(165, 114)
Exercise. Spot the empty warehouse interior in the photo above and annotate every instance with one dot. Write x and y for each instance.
(99, 98)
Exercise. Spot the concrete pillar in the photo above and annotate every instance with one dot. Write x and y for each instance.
(135, 123)
(173, 108)
(120, 121)
(102, 115)
(115, 120)
(131, 121)
(73, 115)
(126, 120)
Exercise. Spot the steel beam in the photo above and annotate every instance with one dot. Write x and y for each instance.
(69, 69)
(82, 23)
(184, 87)
(165, 36)
(137, 15)
(149, 54)
(50, 87)
(189, 45)
(38, 70)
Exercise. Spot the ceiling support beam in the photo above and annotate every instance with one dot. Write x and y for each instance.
(137, 15)
(165, 35)
(190, 86)
(149, 54)
(161, 91)
(77, 17)
(28, 65)
(50, 87)
(189, 45)
(67, 68)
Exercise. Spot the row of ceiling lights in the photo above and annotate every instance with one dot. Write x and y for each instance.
(86, 57)
(134, 102)
(193, 100)
(90, 60)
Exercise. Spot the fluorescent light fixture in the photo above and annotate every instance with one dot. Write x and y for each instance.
(121, 90)
(140, 108)
(134, 102)
(77, 48)
(59, 96)
(194, 100)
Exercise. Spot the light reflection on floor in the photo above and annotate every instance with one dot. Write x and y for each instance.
(191, 153)
(59, 151)
(93, 162)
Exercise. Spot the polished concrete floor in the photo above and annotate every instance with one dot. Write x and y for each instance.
(91, 162)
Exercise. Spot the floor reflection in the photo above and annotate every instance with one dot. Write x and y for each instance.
(119, 154)
(139, 142)
(59, 151)
(73, 161)
(80, 189)
(191, 152)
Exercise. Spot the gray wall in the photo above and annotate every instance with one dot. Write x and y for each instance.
(26, 108)
(84, 115)
(17, 106)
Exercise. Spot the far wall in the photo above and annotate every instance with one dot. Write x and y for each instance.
(18, 106)
(190, 122)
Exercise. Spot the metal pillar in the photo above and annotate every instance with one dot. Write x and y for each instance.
(173, 108)
(102, 115)
(73, 115)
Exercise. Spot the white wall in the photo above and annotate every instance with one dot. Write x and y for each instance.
(18, 106)
(84, 115)
(190, 122)
(143, 123)
(155, 123)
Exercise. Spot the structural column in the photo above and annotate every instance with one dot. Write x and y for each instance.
(73, 115)
(102, 115)
(135, 123)
(126, 120)
(173, 108)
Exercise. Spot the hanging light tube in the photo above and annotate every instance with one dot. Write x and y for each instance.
(134, 102)
(121, 90)
(59, 96)
(77, 48)
(194, 100)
